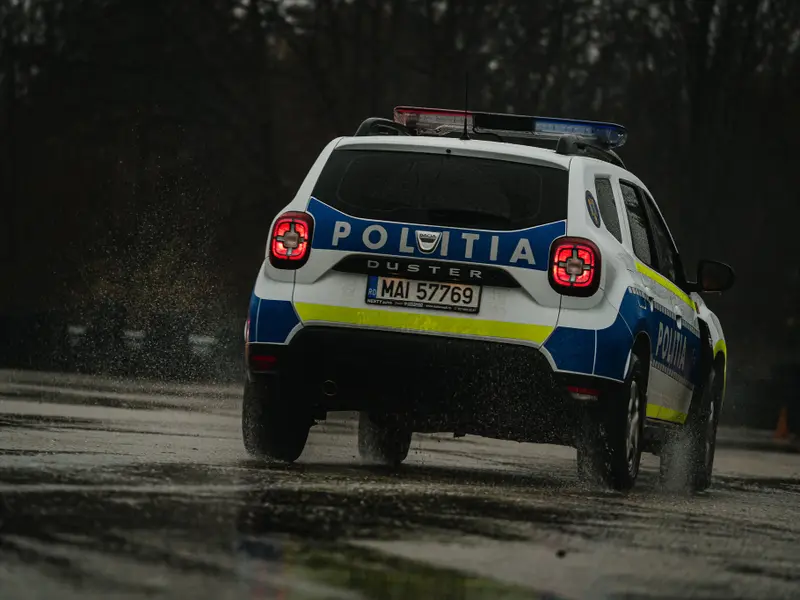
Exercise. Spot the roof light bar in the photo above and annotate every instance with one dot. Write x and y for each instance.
(432, 121)
(436, 121)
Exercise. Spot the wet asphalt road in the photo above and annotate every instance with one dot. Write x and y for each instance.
(125, 490)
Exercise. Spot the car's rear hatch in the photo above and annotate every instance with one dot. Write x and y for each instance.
(436, 237)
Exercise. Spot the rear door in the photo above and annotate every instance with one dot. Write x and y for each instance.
(664, 394)
(669, 387)
(434, 240)
(686, 336)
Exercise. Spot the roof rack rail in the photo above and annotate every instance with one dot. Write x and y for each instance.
(380, 126)
(570, 145)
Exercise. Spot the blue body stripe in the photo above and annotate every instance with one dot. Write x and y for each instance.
(271, 321)
(574, 349)
(387, 238)
(613, 345)
(252, 315)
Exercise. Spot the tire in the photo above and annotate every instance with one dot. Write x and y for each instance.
(687, 457)
(384, 440)
(610, 441)
(269, 428)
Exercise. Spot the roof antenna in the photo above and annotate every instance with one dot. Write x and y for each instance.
(465, 135)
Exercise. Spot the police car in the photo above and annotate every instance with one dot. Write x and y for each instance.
(489, 274)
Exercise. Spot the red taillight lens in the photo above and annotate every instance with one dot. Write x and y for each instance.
(574, 266)
(290, 242)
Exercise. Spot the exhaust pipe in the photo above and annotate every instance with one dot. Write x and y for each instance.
(329, 388)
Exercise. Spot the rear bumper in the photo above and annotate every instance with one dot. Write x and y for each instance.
(486, 388)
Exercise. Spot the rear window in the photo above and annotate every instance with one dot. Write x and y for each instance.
(442, 189)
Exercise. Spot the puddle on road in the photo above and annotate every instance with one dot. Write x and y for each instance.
(357, 573)
(251, 531)
(276, 544)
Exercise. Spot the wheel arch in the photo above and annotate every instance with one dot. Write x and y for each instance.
(721, 366)
(714, 355)
(641, 349)
(706, 352)
(720, 352)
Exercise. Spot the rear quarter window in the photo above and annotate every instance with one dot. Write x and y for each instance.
(641, 236)
(608, 206)
(442, 189)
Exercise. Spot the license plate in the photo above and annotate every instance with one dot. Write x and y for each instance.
(393, 291)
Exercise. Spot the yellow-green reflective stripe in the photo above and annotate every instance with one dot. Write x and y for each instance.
(661, 280)
(369, 317)
(662, 413)
(722, 347)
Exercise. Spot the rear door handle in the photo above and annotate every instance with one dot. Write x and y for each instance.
(678, 316)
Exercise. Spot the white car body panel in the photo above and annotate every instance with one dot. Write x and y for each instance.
(591, 336)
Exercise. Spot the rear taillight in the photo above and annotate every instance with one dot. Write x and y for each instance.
(574, 267)
(290, 241)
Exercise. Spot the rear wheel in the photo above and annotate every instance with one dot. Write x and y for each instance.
(384, 439)
(610, 442)
(687, 458)
(270, 427)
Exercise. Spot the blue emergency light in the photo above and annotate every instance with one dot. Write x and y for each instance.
(438, 121)
(609, 135)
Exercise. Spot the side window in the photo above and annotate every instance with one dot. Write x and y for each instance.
(668, 262)
(641, 236)
(608, 207)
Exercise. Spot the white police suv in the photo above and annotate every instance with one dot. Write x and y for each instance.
(489, 274)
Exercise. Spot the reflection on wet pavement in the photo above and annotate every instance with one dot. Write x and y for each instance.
(100, 502)
(271, 543)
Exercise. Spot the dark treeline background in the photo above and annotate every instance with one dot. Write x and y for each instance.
(147, 144)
